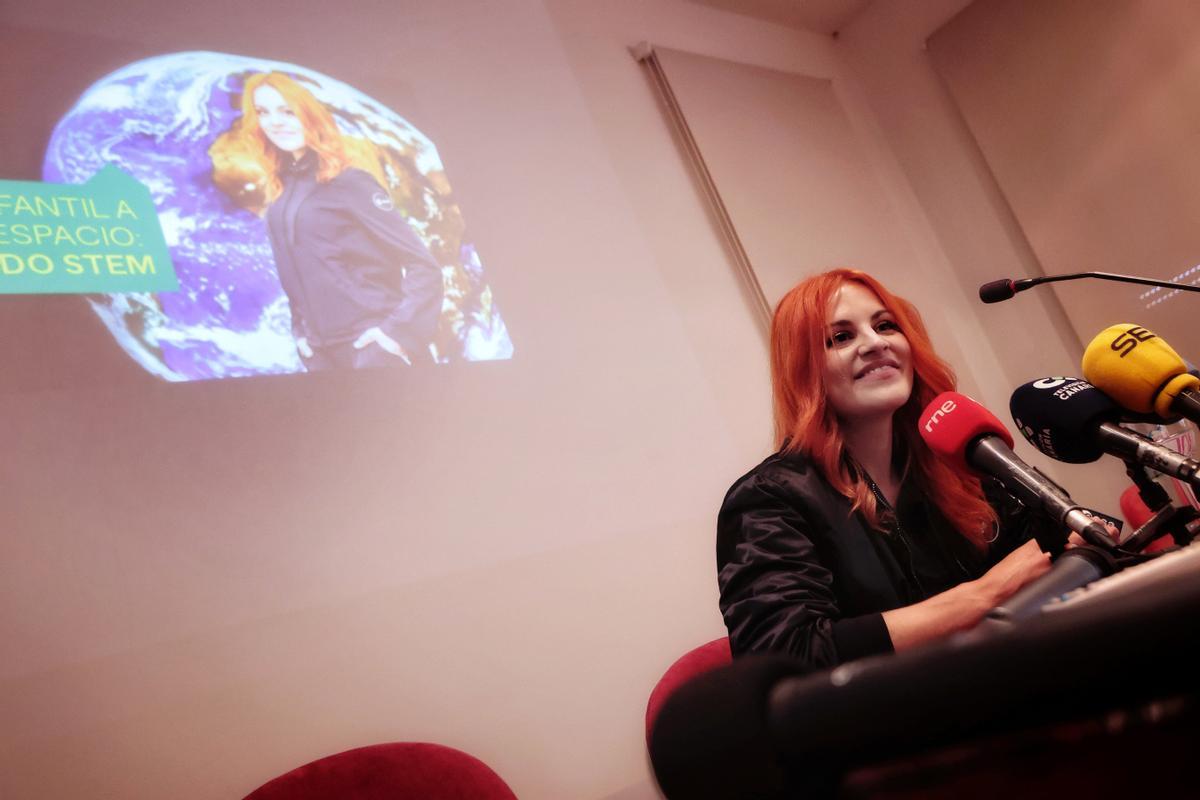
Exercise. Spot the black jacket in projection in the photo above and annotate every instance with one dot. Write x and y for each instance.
(800, 574)
(349, 261)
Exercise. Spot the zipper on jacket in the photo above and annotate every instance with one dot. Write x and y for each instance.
(898, 530)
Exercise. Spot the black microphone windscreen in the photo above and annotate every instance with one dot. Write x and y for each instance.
(995, 291)
(1059, 417)
(711, 738)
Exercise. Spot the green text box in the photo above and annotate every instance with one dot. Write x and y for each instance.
(99, 237)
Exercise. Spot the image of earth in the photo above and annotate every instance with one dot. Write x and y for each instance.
(156, 119)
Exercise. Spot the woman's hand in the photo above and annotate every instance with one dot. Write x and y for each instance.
(383, 340)
(1018, 568)
(1075, 540)
(963, 606)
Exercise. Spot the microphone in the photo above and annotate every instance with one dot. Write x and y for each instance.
(970, 437)
(1135, 367)
(1071, 420)
(995, 291)
(1075, 568)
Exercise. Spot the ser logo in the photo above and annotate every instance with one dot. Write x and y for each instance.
(1129, 339)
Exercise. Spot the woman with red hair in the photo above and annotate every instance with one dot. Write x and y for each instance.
(363, 288)
(854, 538)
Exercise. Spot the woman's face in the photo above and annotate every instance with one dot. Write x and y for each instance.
(868, 361)
(278, 121)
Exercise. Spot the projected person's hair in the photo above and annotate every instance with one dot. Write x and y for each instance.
(247, 163)
(364, 290)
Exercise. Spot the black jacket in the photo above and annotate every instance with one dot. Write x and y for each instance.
(799, 573)
(349, 261)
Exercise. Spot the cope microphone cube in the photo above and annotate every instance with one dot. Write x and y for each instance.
(952, 422)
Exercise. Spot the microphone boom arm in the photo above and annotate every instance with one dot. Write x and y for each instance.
(1104, 276)
(995, 291)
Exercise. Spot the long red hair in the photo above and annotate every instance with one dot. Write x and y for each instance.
(806, 423)
(244, 150)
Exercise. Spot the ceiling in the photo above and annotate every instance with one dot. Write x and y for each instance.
(818, 16)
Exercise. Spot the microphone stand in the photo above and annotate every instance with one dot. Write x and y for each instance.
(1106, 276)
(1079, 566)
(995, 291)
(1176, 521)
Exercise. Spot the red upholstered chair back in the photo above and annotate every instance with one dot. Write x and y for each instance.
(692, 663)
(394, 771)
(1137, 514)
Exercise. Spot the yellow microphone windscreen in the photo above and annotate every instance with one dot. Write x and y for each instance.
(1131, 365)
(1180, 383)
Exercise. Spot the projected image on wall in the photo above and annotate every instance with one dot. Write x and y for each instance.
(310, 226)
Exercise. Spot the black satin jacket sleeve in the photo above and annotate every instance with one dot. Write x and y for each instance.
(800, 573)
(778, 559)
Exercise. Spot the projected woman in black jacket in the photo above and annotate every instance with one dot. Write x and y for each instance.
(364, 290)
(855, 539)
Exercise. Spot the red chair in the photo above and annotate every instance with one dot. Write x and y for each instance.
(695, 662)
(394, 771)
(1137, 514)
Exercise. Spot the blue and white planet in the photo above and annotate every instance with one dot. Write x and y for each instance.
(156, 119)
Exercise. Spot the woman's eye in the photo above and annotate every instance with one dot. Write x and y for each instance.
(839, 337)
(887, 325)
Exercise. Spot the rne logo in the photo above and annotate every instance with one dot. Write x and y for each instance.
(944, 409)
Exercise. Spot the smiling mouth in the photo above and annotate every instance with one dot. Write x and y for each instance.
(876, 369)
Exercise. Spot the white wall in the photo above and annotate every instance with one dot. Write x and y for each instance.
(1102, 171)
(965, 232)
(203, 586)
